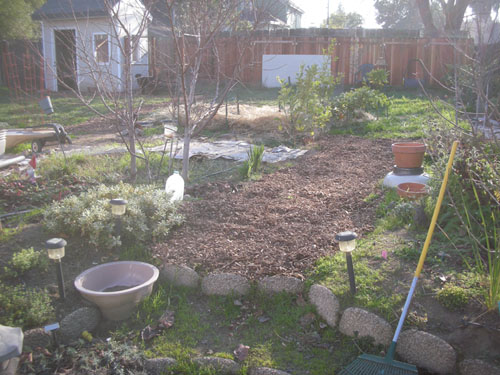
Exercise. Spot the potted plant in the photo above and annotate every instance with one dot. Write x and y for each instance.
(408, 154)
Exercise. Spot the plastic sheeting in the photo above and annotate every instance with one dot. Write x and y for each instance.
(234, 150)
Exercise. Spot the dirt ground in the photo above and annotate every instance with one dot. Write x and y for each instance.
(283, 222)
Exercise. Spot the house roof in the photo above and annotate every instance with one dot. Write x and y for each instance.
(70, 9)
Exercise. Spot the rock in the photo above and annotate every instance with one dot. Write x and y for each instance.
(83, 319)
(365, 324)
(180, 275)
(158, 366)
(427, 351)
(224, 284)
(221, 365)
(278, 283)
(36, 338)
(326, 303)
(266, 371)
(476, 367)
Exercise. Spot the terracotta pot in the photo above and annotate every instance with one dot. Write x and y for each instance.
(408, 155)
(411, 190)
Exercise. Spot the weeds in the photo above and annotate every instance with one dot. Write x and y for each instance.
(23, 307)
(453, 297)
(25, 260)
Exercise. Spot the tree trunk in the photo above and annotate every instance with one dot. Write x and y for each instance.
(425, 14)
(454, 13)
(130, 109)
(185, 155)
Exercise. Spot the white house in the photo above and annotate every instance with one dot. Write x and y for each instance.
(84, 42)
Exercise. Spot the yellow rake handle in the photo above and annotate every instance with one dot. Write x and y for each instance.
(436, 210)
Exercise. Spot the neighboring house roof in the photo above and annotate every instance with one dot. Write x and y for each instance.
(70, 9)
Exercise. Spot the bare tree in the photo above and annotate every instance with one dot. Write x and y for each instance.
(196, 30)
(104, 62)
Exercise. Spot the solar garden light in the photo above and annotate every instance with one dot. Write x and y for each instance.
(347, 244)
(118, 208)
(55, 251)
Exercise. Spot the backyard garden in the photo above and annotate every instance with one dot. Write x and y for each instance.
(268, 228)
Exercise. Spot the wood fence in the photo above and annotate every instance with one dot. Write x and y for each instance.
(395, 51)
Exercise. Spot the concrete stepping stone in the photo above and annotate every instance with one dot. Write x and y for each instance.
(221, 365)
(266, 371)
(427, 351)
(326, 303)
(225, 284)
(72, 325)
(476, 367)
(180, 275)
(278, 284)
(36, 338)
(158, 366)
(364, 323)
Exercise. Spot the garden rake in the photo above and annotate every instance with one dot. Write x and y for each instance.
(367, 364)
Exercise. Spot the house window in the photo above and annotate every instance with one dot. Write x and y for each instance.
(136, 45)
(101, 48)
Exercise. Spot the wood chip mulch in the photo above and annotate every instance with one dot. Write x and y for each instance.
(282, 223)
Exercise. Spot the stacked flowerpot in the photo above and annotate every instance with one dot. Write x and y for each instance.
(408, 157)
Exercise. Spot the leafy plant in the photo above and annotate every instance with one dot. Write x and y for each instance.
(378, 78)
(307, 104)
(364, 98)
(25, 308)
(150, 215)
(251, 166)
(25, 260)
(453, 297)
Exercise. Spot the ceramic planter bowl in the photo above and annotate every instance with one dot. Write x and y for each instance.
(408, 154)
(411, 190)
(117, 287)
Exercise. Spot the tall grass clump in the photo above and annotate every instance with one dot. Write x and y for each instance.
(473, 205)
(252, 165)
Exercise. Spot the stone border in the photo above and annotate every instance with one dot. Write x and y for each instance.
(354, 321)
(417, 347)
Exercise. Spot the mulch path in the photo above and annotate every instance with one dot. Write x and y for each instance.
(282, 223)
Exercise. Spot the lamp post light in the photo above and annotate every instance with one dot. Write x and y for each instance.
(55, 251)
(118, 208)
(347, 244)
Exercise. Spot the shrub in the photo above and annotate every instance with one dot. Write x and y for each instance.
(364, 98)
(25, 260)
(307, 104)
(378, 78)
(453, 297)
(149, 215)
(25, 308)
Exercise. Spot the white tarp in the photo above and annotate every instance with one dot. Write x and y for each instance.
(234, 150)
(286, 66)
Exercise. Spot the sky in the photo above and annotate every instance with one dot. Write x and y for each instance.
(315, 11)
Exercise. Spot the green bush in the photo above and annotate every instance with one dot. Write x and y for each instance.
(149, 215)
(26, 308)
(453, 297)
(25, 260)
(378, 78)
(363, 98)
(307, 104)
